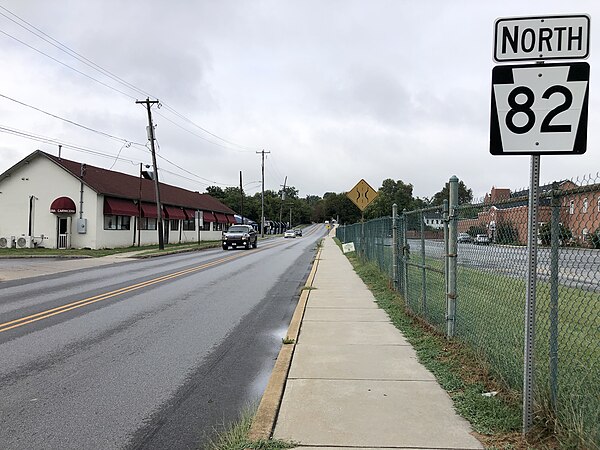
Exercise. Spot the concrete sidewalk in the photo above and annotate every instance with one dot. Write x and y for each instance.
(354, 380)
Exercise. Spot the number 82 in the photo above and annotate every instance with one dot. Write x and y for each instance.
(525, 108)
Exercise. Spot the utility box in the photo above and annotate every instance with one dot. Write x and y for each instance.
(82, 226)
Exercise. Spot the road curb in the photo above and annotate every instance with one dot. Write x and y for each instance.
(266, 414)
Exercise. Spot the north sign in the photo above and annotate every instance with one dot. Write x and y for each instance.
(542, 38)
(539, 109)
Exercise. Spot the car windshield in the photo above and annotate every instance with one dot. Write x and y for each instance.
(238, 229)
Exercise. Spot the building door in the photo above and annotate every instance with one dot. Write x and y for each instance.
(63, 232)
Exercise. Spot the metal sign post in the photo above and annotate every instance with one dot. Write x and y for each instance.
(528, 356)
(538, 109)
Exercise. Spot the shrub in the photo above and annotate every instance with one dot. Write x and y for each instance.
(545, 233)
(506, 233)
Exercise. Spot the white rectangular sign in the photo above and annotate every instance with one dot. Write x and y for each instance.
(539, 109)
(542, 38)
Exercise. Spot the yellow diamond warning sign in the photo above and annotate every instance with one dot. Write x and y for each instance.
(362, 194)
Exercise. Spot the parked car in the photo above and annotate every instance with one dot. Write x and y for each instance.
(289, 234)
(465, 237)
(481, 239)
(238, 236)
(298, 232)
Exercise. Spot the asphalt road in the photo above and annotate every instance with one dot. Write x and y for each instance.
(577, 267)
(146, 354)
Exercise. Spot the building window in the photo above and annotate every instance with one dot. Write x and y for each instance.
(206, 226)
(219, 226)
(189, 225)
(117, 222)
(175, 225)
(147, 223)
(572, 207)
(585, 205)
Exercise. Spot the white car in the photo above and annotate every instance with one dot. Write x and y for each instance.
(289, 234)
(481, 239)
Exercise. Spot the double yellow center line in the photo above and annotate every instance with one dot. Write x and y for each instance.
(98, 298)
(134, 287)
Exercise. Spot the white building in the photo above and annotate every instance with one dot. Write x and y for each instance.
(52, 202)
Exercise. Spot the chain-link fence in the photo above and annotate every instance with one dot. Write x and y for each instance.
(487, 253)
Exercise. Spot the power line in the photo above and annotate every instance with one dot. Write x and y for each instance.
(54, 141)
(66, 65)
(64, 48)
(70, 121)
(181, 116)
(195, 134)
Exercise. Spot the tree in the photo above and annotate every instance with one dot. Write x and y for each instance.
(465, 195)
(506, 233)
(335, 205)
(391, 192)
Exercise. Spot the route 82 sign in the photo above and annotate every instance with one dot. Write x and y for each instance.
(539, 109)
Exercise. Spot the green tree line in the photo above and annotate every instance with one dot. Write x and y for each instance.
(337, 206)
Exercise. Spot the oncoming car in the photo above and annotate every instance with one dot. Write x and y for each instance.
(289, 234)
(239, 236)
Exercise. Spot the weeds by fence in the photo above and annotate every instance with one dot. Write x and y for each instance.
(491, 289)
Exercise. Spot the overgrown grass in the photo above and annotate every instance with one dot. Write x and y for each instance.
(235, 437)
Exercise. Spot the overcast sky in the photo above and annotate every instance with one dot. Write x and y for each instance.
(336, 91)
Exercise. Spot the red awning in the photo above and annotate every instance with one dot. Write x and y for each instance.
(119, 207)
(190, 213)
(230, 219)
(149, 210)
(174, 212)
(62, 205)
(221, 218)
(209, 217)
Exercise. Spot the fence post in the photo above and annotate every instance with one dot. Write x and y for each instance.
(446, 251)
(554, 244)
(395, 245)
(423, 264)
(452, 257)
(405, 254)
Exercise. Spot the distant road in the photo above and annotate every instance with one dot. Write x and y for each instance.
(152, 353)
(578, 267)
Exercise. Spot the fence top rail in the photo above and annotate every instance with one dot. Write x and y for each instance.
(424, 210)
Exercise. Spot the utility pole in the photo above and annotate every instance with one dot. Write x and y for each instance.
(282, 199)
(262, 196)
(242, 198)
(149, 103)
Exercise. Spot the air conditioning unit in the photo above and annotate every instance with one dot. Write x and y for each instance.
(7, 242)
(24, 242)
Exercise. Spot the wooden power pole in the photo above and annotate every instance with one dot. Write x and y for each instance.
(149, 103)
